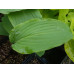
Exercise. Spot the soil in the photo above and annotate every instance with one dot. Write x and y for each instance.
(8, 55)
(34, 61)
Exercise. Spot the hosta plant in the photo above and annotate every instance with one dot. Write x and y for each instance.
(34, 30)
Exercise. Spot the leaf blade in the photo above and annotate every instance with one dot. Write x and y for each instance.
(38, 35)
(22, 16)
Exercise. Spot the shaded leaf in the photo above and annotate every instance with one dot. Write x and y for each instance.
(46, 13)
(6, 24)
(2, 30)
(71, 10)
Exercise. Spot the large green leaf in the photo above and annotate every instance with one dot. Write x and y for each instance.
(7, 11)
(22, 16)
(38, 35)
(6, 24)
(2, 30)
(69, 48)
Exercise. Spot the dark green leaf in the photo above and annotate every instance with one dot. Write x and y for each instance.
(46, 13)
(6, 24)
(2, 30)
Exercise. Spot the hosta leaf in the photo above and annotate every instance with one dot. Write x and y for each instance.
(71, 19)
(63, 15)
(46, 13)
(71, 10)
(70, 16)
(7, 11)
(38, 35)
(72, 27)
(69, 48)
(22, 16)
(6, 24)
(2, 30)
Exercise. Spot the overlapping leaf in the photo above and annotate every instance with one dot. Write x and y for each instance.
(2, 30)
(38, 35)
(46, 13)
(6, 24)
(22, 16)
(7, 11)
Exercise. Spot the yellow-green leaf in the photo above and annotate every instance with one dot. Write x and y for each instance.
(69, 48)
